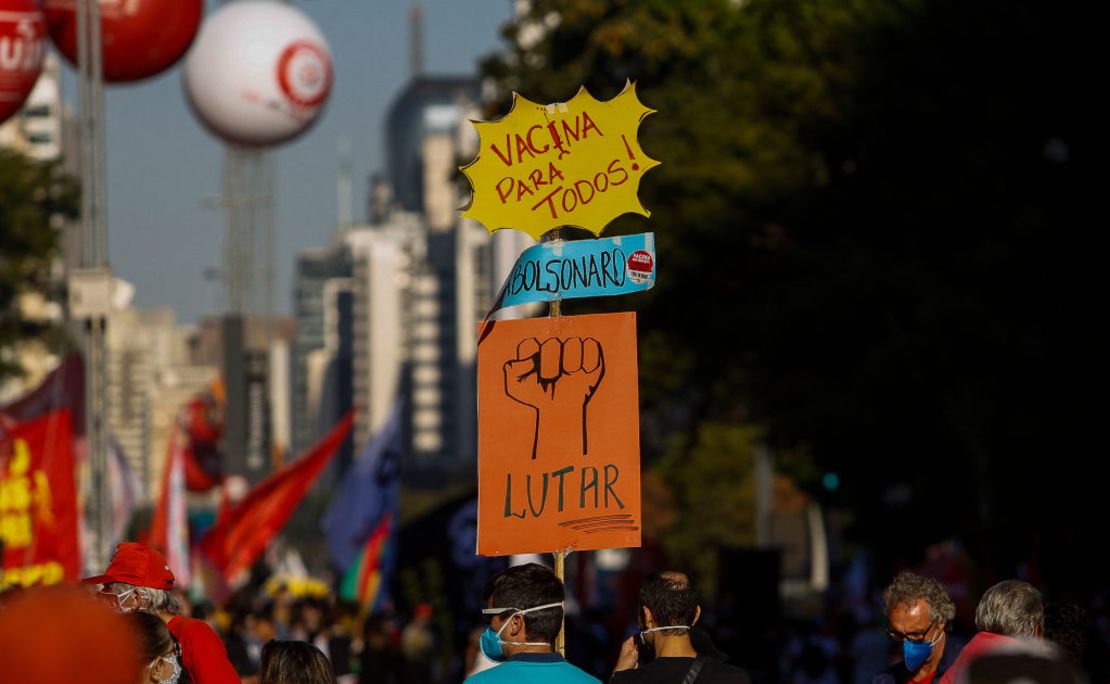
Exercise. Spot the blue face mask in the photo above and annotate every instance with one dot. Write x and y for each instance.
(915, 653)
(491, 645)
(491, 640)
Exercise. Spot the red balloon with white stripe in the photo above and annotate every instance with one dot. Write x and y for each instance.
(22, 46)
(139, 38)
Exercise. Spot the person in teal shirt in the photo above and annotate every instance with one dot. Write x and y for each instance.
(525, 606)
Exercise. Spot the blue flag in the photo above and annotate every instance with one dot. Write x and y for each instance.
(371, 488)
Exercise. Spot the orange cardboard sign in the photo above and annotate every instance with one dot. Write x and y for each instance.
(558, 434)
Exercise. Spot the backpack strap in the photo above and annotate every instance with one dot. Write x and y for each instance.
(695, 669)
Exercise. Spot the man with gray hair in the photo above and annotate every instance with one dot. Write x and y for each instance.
(138, 578)
(919, 613)
(1009, 611)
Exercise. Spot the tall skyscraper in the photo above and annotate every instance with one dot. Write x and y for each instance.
(151, 375)
(315, 269)
(408, 290)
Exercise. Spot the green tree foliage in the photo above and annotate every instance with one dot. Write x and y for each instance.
(711, 479)
(34, 198)
(873, 235)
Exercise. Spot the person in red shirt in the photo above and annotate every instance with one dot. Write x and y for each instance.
(138, 578)
(1009, 613)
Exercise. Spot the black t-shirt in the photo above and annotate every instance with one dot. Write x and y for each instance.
(673, 671)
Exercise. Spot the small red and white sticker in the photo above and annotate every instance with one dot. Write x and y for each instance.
(640, 266)
(304, 73)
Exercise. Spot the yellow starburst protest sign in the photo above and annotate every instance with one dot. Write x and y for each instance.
(576, 163)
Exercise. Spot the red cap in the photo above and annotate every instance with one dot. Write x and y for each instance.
(136, 564)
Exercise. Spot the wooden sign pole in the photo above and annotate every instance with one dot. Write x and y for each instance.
(556, 309)
(561, 572)
(560, 556)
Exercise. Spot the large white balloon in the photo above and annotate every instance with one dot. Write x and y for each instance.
(258, 74)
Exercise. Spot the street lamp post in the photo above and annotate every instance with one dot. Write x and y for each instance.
(91, 285)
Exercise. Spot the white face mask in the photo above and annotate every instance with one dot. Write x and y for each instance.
(121, 598)
(516, 611)
(175, 674)
(660, 629)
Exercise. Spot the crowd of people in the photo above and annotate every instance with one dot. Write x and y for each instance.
(149, 635)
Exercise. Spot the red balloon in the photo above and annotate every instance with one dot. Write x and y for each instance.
(140, 38)
(22, 45)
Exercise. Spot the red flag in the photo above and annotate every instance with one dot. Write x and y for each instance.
(238, 538)
(38, 502)
(64, 387)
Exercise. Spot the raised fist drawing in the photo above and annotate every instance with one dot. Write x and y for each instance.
(557, 378)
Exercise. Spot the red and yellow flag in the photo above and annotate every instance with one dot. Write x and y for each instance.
(38, 502)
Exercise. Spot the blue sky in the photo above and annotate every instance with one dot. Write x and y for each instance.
(162, 165)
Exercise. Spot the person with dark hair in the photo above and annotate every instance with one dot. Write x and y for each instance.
(919, 615)
(294, 662)
(1010, 612)
(380, 661)
(1066, 625)
(243, 651)
(417, 644)
(525, 607)
(138, 578)
(157, 648)
(669, 607)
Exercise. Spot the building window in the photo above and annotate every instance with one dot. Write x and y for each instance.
(37, 112)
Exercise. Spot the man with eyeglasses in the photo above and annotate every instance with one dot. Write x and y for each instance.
(919, 612)
(138, 578)
(524, 605)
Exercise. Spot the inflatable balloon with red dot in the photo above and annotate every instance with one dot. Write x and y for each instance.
(139, 38)
(22, 45)
(259, 73)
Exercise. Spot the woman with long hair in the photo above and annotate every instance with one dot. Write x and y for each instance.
(295, 662)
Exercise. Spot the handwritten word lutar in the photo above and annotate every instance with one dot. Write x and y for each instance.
(591, 489)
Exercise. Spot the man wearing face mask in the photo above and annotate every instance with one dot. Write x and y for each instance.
(524, 605)
(138, 578)
(919, 612)
(669, 607)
